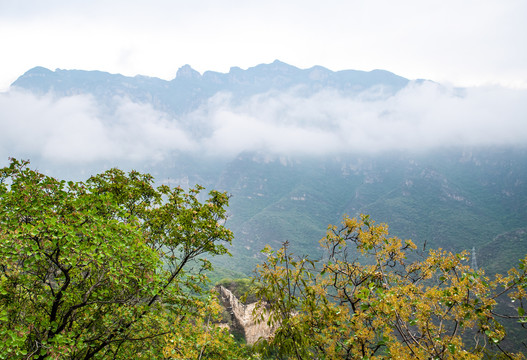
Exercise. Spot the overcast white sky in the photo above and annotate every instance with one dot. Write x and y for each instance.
(478, 44)
(463, 42)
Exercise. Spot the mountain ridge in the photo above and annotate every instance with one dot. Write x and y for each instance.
(189, 88)
(455, 198)
(316, 72)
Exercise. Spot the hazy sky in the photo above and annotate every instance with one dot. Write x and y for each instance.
(480, 45)
(464, 42)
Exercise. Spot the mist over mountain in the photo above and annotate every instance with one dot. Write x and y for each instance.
(275, 108)
(189, 89)
(296, 148)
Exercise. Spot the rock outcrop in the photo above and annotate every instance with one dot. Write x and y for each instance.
(244, 318)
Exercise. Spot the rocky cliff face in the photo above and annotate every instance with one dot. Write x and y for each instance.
(244, 318)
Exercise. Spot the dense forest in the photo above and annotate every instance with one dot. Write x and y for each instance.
(115, 267)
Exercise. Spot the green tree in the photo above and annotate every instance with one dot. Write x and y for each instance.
(102, 268)
(365, 300)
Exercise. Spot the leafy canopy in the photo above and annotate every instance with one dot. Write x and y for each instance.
(113, 268)
(366, 300)
(98, 269)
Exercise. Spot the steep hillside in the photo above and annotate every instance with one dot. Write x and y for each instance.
(455, 196)
(451, 199)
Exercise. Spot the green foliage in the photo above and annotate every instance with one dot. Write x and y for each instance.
(114, 267)
(378, 304)
(97, 269)
(221, 273)
(449, 198)
(242, 288)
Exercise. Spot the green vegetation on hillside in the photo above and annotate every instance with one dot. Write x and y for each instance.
(455, 199)
(115, 268)
(380, 305)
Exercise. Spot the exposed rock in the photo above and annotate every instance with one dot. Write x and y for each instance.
(243, 318)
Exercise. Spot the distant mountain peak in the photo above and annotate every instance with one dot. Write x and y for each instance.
(37, 71)
(189, 89)
(319, 73)
(277, 66)
(235, 69)
(187, 72)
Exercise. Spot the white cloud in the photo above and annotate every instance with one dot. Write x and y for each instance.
(76, 129)
(421, 116)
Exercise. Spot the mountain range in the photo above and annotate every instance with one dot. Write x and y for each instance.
(189, 88)
(457, 197)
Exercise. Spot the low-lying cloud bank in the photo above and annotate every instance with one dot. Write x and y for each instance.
(420, 116)
(78, 129)
(423, 115)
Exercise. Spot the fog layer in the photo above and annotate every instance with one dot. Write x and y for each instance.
(421, 116)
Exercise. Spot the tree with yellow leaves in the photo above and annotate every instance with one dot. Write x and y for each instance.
(366, 300)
